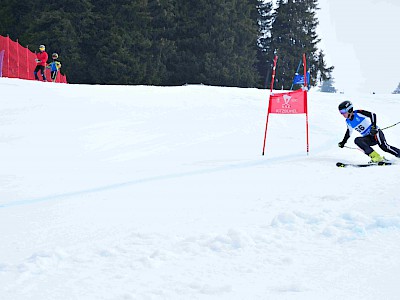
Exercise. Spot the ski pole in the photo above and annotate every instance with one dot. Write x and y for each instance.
(353, 148)
(390, 126)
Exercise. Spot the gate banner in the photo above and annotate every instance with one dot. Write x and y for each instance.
(288, 103)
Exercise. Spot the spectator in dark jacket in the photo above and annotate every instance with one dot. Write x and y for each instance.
(41, 60)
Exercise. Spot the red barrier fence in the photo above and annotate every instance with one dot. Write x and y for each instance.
(19, 62)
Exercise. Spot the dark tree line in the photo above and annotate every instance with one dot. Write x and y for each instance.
(170, 42)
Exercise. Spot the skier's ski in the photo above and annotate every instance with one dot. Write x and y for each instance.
(345, 165)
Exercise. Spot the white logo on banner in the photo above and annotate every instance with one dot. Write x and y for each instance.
(286, 98)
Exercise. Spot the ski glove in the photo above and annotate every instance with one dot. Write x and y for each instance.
(373, 130)
(341, 144)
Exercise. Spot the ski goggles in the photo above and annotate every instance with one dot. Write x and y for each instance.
(345, 110)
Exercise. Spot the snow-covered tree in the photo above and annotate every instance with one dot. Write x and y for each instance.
(397, 90)
(327, 86)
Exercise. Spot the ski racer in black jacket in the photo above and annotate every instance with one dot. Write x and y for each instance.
(365, 123)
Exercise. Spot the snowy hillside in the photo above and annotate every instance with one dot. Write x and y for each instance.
(138, 192)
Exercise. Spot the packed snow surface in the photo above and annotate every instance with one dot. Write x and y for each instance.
(143, 192)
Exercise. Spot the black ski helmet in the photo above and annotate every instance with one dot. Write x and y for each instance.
(345, 106)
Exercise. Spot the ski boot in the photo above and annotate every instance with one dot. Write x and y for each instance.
(375, 158)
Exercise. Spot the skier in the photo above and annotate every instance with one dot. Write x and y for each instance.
(365, 123)
(54, 66)
(41, 60)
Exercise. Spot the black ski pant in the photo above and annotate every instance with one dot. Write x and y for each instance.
(53, 75)
(379, 139)
(41, 69)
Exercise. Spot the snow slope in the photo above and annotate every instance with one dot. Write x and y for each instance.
(140, 192)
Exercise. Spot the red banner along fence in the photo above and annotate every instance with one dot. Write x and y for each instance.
(19, 62)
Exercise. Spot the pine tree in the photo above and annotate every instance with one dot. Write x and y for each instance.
(15, 17)
(320, 68)
(327, 86)
(163, 39)
(56, 25)
(294, 33)
(397, 90)
(119, 53)
(216, 43)
(265, 20)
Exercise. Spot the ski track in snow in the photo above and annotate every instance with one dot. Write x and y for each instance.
(231, 166)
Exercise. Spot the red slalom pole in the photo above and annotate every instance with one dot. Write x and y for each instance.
(305, 70)
(273, 72)
(272, 87)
